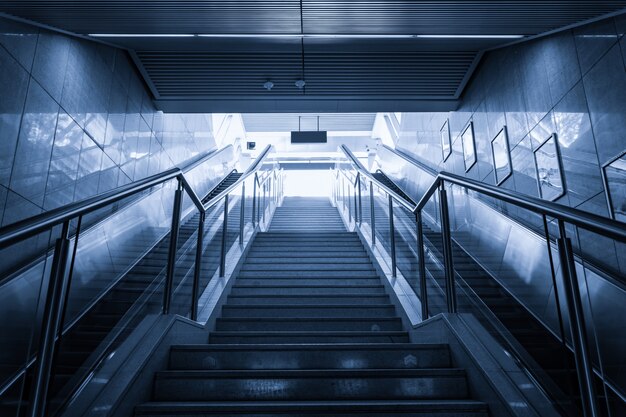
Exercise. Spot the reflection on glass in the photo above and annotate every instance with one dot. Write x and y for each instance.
(469, 147)
(501, 156)
(549, 170)
(615, 178)
(446, 146)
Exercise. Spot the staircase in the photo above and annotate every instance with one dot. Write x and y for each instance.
(308, 329)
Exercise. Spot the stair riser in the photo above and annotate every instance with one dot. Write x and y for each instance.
(253, 261)
(238, 339)
(299, 412)
(352, 268)
(320, 282)
(335, 325)
(285, 389)
(268, 300)
(308, 291)
(311, 359)
(296, 311)
(309, 274)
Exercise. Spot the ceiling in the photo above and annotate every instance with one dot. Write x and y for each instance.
(354, 55)
(331, 122)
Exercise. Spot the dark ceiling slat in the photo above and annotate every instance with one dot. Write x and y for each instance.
(239, 67)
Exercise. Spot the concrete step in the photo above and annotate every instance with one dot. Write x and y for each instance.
(309, 245)
(289, 256)
(295, 337)
(313, 310)
(303, 274)
(297, 290)
(264, 235)
(290, 282)
(324, 250)
(310, 385)
(310, 356)
(308, 324)
(307, 299)
(368, 408)
(351, 267)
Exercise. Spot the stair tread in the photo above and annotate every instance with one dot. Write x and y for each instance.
(309, 373)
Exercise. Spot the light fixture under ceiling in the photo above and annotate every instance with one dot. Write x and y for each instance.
(299, 36)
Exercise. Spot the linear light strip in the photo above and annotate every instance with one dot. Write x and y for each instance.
(299, 36)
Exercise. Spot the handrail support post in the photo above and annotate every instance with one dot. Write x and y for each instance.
(224, 233)
(447, 250)
(372, 214)
(584, 365)
(254, 201)
(50, 324)
(242, 212)
(392, 237)
(171, 256)
(422, 265)
(197, 267)
(360, 199)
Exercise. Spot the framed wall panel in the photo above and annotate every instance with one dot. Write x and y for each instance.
(549, 172)
(469, 146)
(501, 156)
(446, 142)
(614, 176)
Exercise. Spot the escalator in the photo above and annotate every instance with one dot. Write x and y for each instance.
(490, 301)
(120, 272)
(117, 307)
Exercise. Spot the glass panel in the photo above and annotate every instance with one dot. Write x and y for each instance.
(469, 146)
(446, 145)
(116, 284)
(22, 298)
(548, 164)
(501, 156)
(406, 245)
(435, 277)
(615, 177)
(603, 292)
(507, 278)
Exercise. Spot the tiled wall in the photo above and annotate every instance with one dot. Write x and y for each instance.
(572, 84)
(76, 120)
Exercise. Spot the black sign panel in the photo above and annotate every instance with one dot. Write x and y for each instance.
(309, 137)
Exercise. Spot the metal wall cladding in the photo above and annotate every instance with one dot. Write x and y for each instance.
(78, 121)
(569, 85)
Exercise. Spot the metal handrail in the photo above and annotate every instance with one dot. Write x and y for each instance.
(589, 221)
(58, 285)
(363, 171)
(252, 169)
(598, 224)
(33, 225)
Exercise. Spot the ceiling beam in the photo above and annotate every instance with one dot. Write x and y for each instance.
(307, 104)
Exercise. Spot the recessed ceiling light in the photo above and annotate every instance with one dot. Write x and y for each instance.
(299, 36)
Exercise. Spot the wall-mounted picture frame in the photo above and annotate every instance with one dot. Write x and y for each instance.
(469, 146)
(501, 154)
(614, 177)
(549, 172)
(446, 141)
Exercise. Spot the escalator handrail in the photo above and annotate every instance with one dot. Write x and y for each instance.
(252, 169)
(592, 222)
(364, 172)
(44, 221)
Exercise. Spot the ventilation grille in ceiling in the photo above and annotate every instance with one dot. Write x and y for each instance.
(370, 74)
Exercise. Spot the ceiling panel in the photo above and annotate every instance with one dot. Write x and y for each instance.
(345, 69)
(287, 122)
(318, 16)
